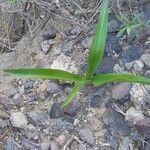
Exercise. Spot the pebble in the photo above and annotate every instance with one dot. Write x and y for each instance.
(45, 145)
(113, 26)
(82, 147)
(27, 144)
(56, 111)
(116, 122)
(138, 96)
(121, 90)
(10, 144)
(131, 54)
(31, 132)
(47, 46)
(73, 109)
(86, 43)
(67, 48)
(54, 146)
(49, 33)
(138, 66)
(61, 139)
(133, 115)
(129, 65)
(146, 59)
(96, 101)
(3, 114)
(3, 124)
(143, 127)
(86, 135)
(39, 118)
(18, 120)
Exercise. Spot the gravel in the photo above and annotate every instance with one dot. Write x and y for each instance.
(121, 90)
(39, 118)
(31, 132)
(28, 144)
(49, 33)
(67, 48)
(146, 59)
(113, 26)
(138, 66)
(3, 124)
(96, 101)
(45, 145)
(56, 111)
(18, 120)
(10, 144)
(86, 135)
(46, 46)
(86, 43)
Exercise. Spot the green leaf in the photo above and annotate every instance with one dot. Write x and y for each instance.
(72, 94)
(121, 32)
(45, 74)
(98, 44)
(106, 78)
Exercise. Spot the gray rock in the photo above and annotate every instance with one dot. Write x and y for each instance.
(49, 33)
(143, 127)
(39, 118)
(86, 43)
(138, 96)
(27, 144)
(131, 54)
(121, 90)
(18, 120)
(54, 146)
(31, 132)
(146, 59)
(67, 48)
(129, 65)
(56, 111)
(96, 101)
(82, 147)
(111, 140)
(116, 122)
(138, 66)
(47, 46)
(45, 145)
(3, 124)
(72, 109)
(10, 144)
(28, 84)
(125, 144)
(86, 135)
(133, 115)
(113, 26)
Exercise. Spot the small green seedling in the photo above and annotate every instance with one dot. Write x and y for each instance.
(94, 59)
(129, 24)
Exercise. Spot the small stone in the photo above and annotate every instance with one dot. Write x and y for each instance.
(31, 132)
(72, 109)
(67, 47)
(138, 66)
(28, 84)
(54, 146)
(111, 140)
(10, 144)
(96, 102)
(47, 46)
(39, 118)
(45, 146)
(86, 135)
(86, 43)
(3, 124)
(113, 26)
(84, 68)
(138, 96)
(121, 90)
(129, 65)
(133, 115)
(18, 120)
(73, 145)
(49, 33)
(143, 127)
(56, 111)
(82, 147)
(131, 54)
(125, 144)
(61, 139)
(3, 115)
(116, 122)
(146, 59)
(27, 144)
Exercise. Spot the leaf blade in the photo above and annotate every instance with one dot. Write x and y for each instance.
(72, 94)
(45, 74)
(127, 77)
(98, 44)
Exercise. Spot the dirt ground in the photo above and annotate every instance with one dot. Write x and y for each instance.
(57, 34)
